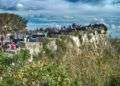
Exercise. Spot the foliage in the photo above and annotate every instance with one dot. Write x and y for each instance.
(11, 23)
(5, 60)
(38, 73)
(47, 51)
(22, 55)
(49, 74)
(89, 67)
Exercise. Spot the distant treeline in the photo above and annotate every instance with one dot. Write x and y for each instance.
(72, 28)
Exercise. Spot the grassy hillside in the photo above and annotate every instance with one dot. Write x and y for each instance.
(68, 65)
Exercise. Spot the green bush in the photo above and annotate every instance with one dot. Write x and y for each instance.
(5, 60)
(51, 74)
(21, 57)
(40, 74)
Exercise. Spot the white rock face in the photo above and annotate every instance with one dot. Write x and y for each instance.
(75, 40)
(94, 38)
(25, 40)
(34, 48)
(77, 44)
(52, 46)
(85, 38)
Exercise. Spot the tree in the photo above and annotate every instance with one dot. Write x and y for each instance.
(11, 23)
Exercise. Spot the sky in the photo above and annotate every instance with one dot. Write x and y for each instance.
(42, 12)
(61, 7)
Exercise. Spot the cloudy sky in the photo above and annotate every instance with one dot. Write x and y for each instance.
(59, 7)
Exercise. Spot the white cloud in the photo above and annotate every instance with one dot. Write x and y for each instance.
(59, 7)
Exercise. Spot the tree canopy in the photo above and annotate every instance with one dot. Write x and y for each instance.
(11, 23)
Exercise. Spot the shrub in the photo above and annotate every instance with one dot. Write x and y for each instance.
(5, 60)
(21, 57)
(43, 74)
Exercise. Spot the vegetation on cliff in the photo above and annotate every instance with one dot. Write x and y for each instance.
(69, 65)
